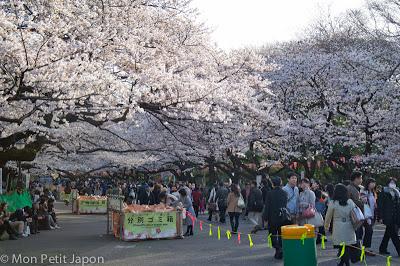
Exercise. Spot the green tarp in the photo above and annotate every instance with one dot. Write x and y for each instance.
(16, 201)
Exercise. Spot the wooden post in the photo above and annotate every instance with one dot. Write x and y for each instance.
(121, 220)
(108, 215)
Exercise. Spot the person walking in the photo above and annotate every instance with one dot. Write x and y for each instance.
(277, 200)
(255, 206)
(354, 189)
(245, 194)
(306, 201)
(339, 210)
(330, 188)
(320, 207)
(369, 198)
(388, 205)
(197, 197)
(186, 201)
(265, 188)
(233, 209)
(293, 196)
(212, 205)
(222, 196)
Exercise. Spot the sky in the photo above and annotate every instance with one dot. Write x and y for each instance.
(238, 23)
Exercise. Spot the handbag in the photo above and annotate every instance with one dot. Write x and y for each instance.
(212, 206)
(317, 220)
(309, 212)
(357, 217)
(367, 212)
(284, 217)
(241, 204)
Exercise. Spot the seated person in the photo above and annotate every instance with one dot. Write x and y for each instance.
(50, 209)
(45, 220)
(20, 216)
(6, 225)
(31, 218)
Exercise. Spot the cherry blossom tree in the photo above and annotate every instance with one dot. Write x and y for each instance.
(96, 78)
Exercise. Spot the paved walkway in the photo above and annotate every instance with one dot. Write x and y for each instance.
(84, 235)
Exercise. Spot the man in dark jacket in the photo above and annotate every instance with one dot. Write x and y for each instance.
(222, 196)
(388, 205)
(277, 199)
(255, 206)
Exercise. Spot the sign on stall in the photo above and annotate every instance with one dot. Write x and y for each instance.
(93, 206)
(148, 225)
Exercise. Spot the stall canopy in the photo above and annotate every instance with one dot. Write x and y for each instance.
(16, 201)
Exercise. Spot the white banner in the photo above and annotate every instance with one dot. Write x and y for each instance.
(1, 181)
(27, 180)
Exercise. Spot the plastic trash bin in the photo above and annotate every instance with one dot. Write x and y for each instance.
(295, 253)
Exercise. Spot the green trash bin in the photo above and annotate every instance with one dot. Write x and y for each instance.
(294, 252)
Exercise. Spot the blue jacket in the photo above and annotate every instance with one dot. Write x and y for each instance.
(293, 199)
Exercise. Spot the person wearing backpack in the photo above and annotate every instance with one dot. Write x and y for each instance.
(222, 196)
(255, 206)
(276, 214)
(388, 205)
(339, 210)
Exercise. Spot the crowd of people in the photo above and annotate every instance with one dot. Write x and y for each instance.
(268, 205)
(272, 204)
(331, 208)
(30, 219)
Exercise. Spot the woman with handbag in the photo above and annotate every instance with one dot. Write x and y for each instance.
(339, 210)
(235, 206)
(306, 202)
(369, 198)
